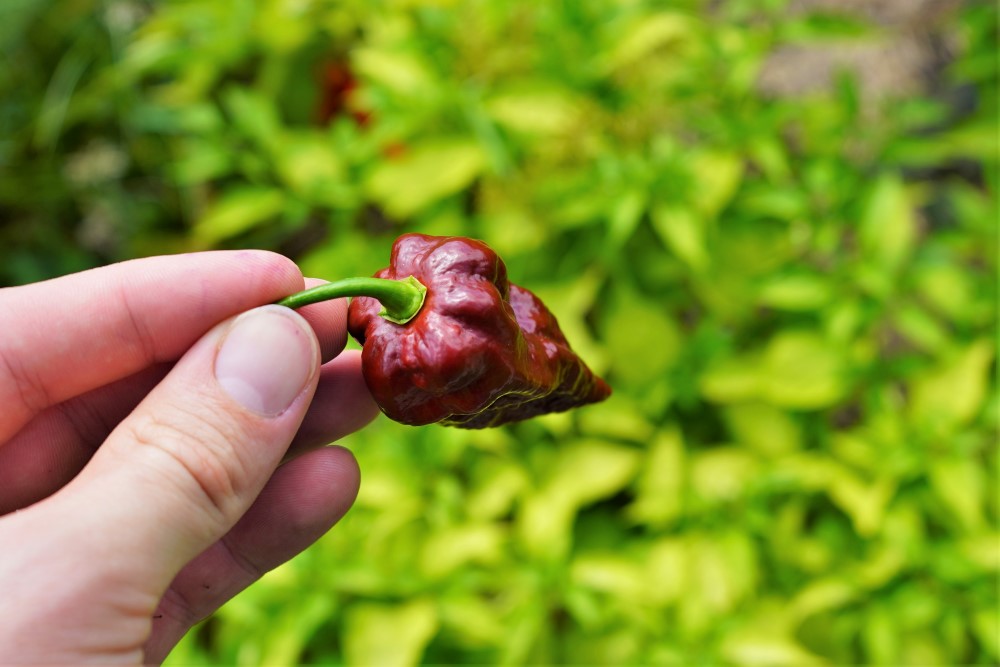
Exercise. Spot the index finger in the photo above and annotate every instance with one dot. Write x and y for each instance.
(63, 337)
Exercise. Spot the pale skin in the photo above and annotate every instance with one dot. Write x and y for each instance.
(157, 454)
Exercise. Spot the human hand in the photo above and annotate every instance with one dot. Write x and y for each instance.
(140, 438)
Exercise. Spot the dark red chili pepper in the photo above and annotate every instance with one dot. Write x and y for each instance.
(480, 352)
(337, 87)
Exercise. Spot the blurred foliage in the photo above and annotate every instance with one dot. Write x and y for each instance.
(793, 297)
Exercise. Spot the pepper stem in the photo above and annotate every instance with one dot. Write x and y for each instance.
(401, 299)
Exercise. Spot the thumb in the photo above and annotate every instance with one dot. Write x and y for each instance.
(176, 475)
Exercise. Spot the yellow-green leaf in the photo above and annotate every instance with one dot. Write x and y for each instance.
(952, 394)
(661, 480)
(764, 428)
(683, 231)
(616, 575)
(732, 379)
(388, 635)
(802, 371)
(588, 470)
(960, 484)
(238, 211)
(722, 474)
(888, 224)
(309, 166)
(450, 548)
(798, 291)
(540, 110)
(649, 34)
(645, 349)
(717, 176)
(425, 174)
(402, 72)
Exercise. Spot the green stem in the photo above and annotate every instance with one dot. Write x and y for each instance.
(401, 299)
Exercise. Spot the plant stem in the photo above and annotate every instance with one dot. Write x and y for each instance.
(401, 299)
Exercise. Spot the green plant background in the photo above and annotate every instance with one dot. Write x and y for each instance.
(793, 295)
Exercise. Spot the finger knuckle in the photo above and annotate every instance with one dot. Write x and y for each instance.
(198, 456)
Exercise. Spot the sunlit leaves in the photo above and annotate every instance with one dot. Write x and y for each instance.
(887, 226)
(426, 173)
(535, 110)
(401, 72)
(796, 369)
(951, 394)
(388, 634)
(582, 473)
(237, 212)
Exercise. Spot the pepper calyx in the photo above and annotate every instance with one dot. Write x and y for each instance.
(403, 305)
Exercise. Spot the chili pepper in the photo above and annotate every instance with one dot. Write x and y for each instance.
(337, 86)
(480, 352)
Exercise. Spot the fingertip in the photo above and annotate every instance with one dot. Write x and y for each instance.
(272, 274)
(335, 476)
(305, 497)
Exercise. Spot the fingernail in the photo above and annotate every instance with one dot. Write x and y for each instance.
(266, 359)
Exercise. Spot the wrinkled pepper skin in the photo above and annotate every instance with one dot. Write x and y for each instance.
(481, 352)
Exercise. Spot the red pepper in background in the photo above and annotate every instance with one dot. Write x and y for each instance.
(480, 352)
(337, 84)
(338, 88)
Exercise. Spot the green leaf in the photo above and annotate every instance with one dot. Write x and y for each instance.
(648, 34)
(310, 167)
(683, 231)
(583, 472)
(619, 418)
(496, 491)
(426, 173)
(717, 176)
(921, 329)
(15, 16)
(589, 470)
(796, 291)
(666, 571)
(763, 651)
(802, 371)
(449, 549)
(949, 289)
(476, 621)
(616, 575)
(238, 211)
(764, 428)
(202, 161)
(888, 225)
(865, 503)
(960, 484)
(254, 115)
(822, 595)
(642, 341)
(544, 524)
(538, 110)
(880, 635)
(290, 634)
(953, 393)
(732, 380)
(626, 213)
(985, 624)
(722, 474)
(403, 72)
(388, 635)
(660, 487)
